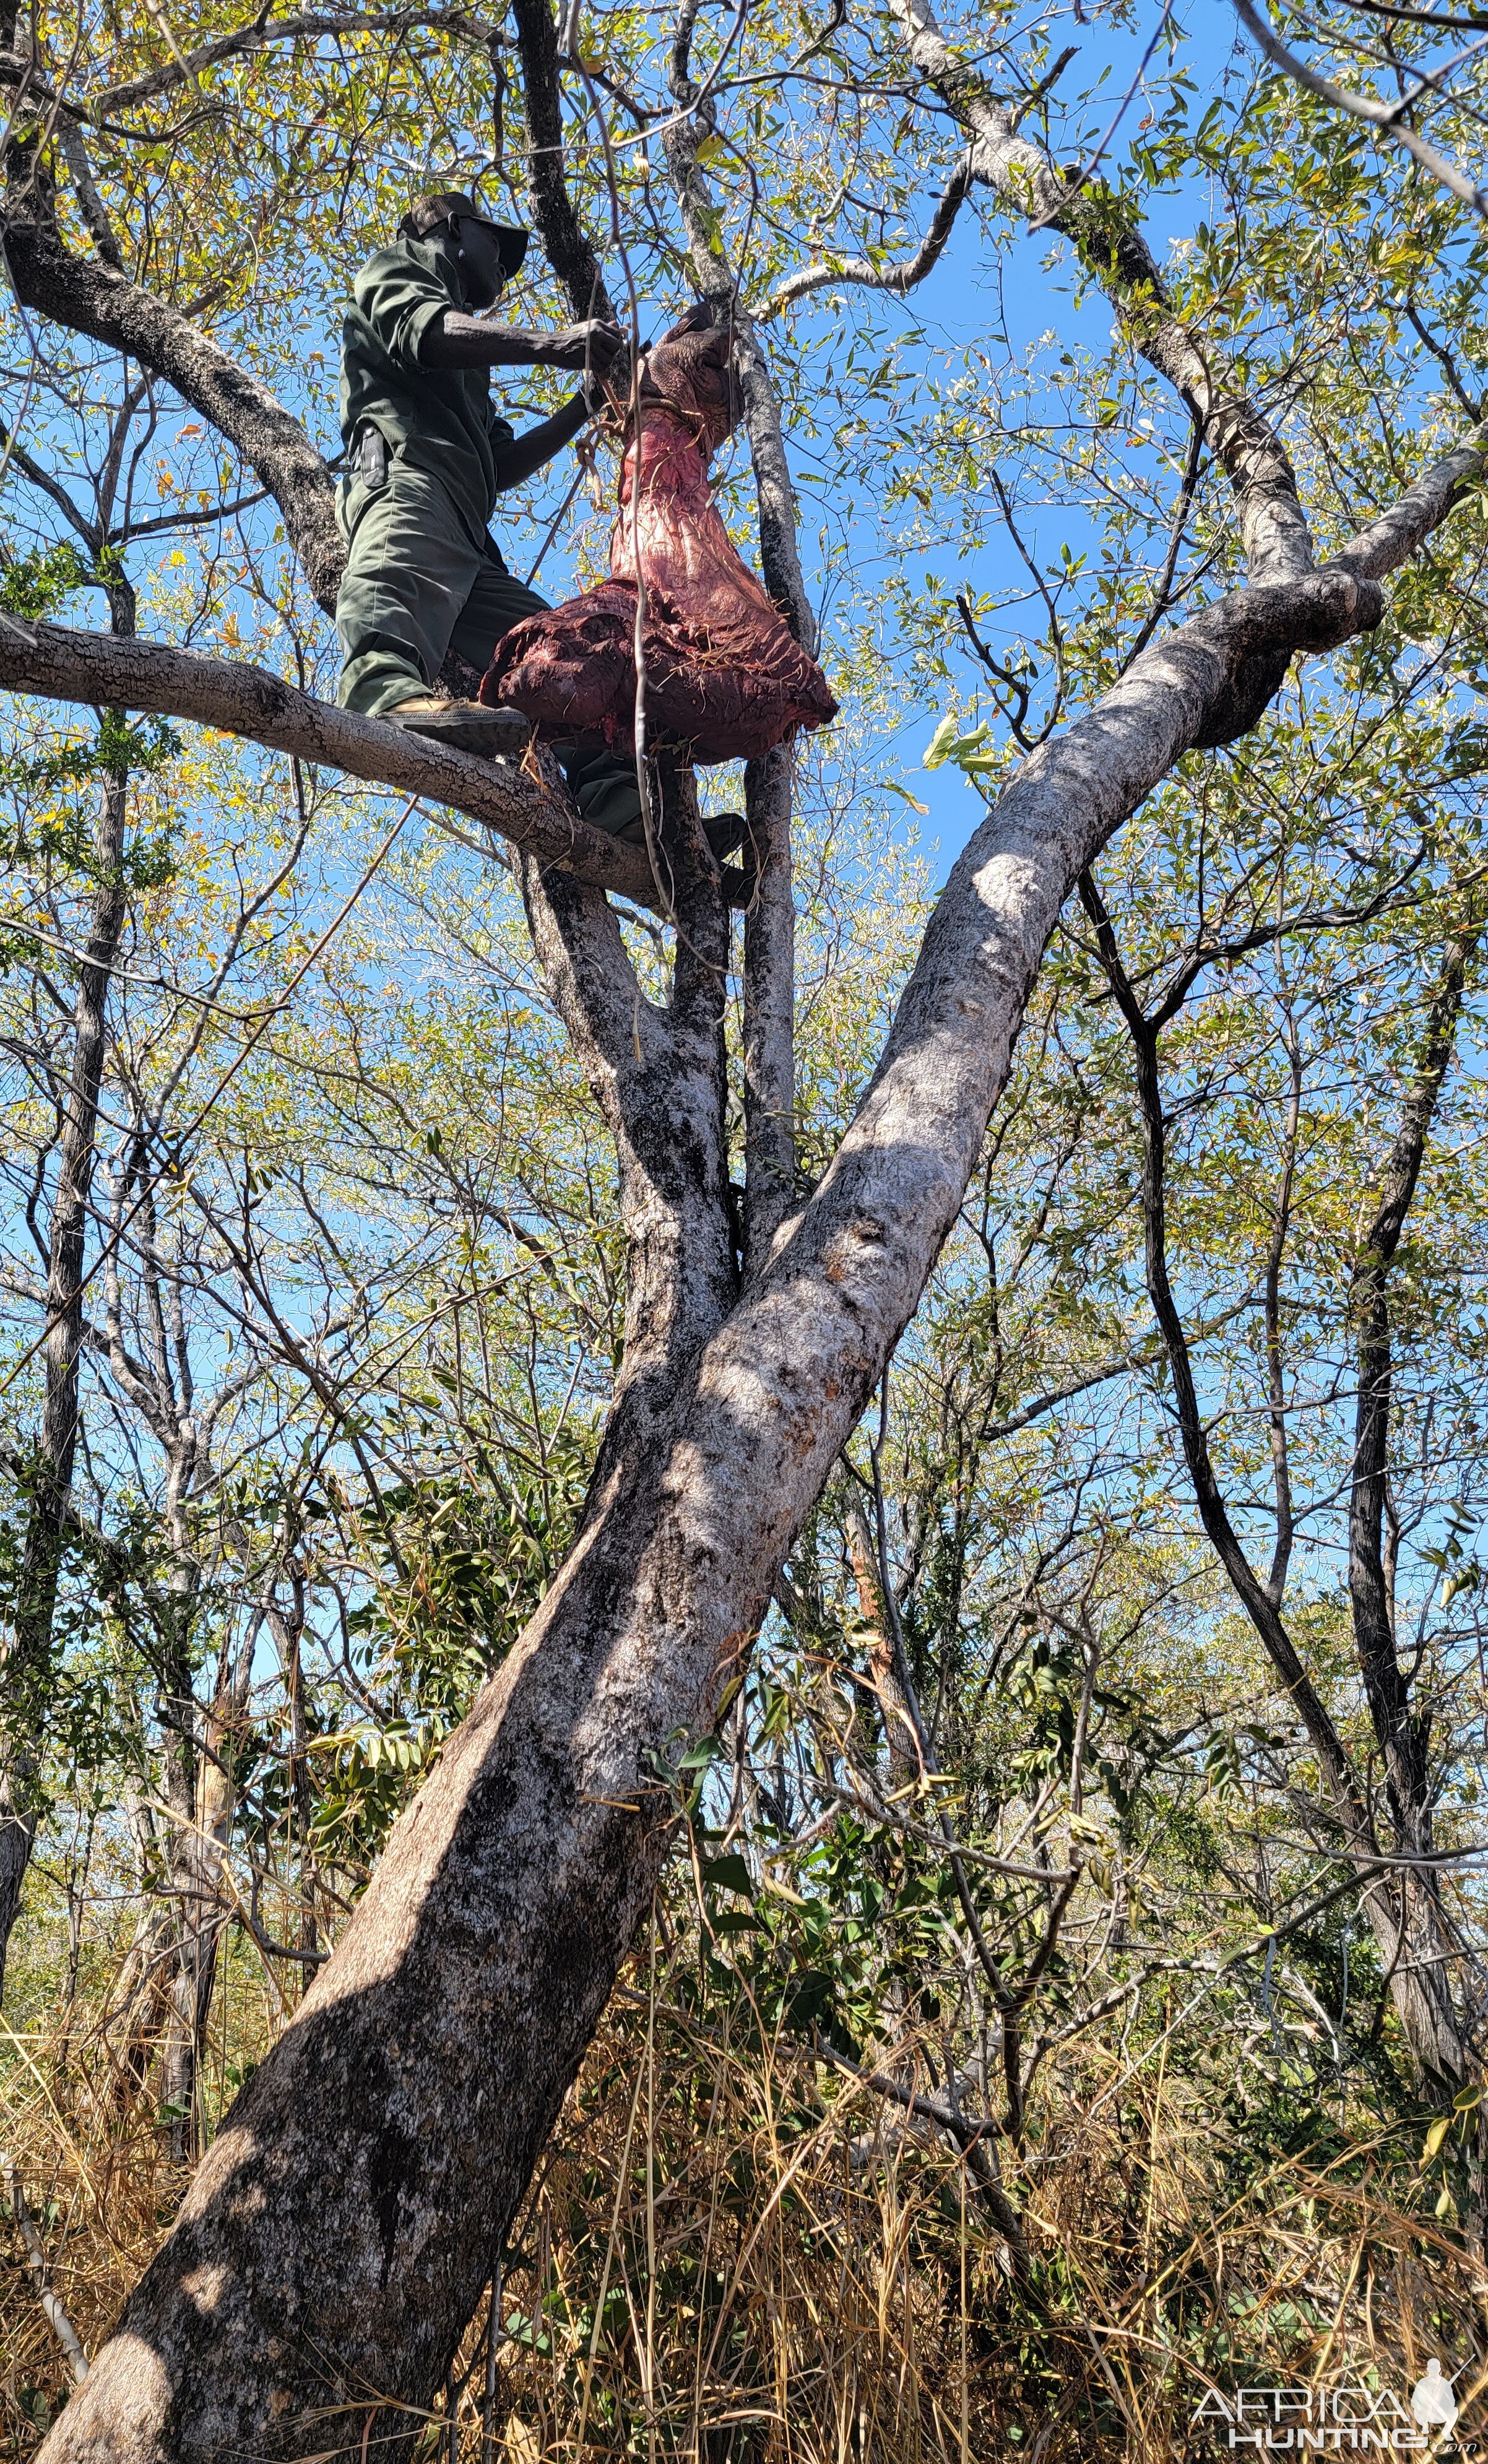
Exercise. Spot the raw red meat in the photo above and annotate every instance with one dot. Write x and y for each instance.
(724, 675)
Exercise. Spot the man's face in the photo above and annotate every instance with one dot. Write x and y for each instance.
(478, 254)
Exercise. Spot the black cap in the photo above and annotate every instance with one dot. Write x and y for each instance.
(427, 215)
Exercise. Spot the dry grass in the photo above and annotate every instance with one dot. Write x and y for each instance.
(733, 2256)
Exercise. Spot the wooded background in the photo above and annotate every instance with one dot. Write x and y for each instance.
(1065, 1991)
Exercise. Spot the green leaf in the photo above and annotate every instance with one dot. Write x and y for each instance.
(728, 1874)
(698, 1757)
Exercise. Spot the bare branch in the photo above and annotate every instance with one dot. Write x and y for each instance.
(569, 250)
(260, 32)
(95, 299)
(970, 2137)
(95, 213)
(861, 271)
(1273, 526)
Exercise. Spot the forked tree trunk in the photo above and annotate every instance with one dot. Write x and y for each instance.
(339, 2234)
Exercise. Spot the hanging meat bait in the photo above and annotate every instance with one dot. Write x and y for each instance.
(724, 677)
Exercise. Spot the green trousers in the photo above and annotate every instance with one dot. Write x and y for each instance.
(418, 582)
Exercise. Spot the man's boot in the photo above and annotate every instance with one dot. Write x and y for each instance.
(499, 734)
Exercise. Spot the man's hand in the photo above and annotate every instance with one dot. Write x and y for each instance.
(594, 346)
(606, 388)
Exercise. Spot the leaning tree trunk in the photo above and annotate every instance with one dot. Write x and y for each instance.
(338, 2235)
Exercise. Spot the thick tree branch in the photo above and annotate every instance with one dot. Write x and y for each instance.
(569, 252)
(96, 299)
(250, 702)
(95, 213)
(660, 1079)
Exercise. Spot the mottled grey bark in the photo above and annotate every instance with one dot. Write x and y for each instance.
(339, 2232)
(659, 1077)
(769, 1053)
(249, 701)
(877, 1640)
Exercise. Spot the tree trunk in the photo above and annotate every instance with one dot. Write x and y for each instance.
(28, 1668)
(198, 1854)
(339, 2234)
(878, 1634)
(1425, 1985)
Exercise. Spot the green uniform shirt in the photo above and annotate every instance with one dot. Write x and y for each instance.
(440, 419)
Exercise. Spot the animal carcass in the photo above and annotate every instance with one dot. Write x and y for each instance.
(724, 677)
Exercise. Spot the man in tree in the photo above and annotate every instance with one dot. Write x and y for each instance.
(428, 457)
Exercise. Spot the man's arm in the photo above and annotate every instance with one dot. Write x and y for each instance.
(528, 452)
(460, 341)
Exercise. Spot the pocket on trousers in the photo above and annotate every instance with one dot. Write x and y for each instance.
(369, 459)
(363, 481)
